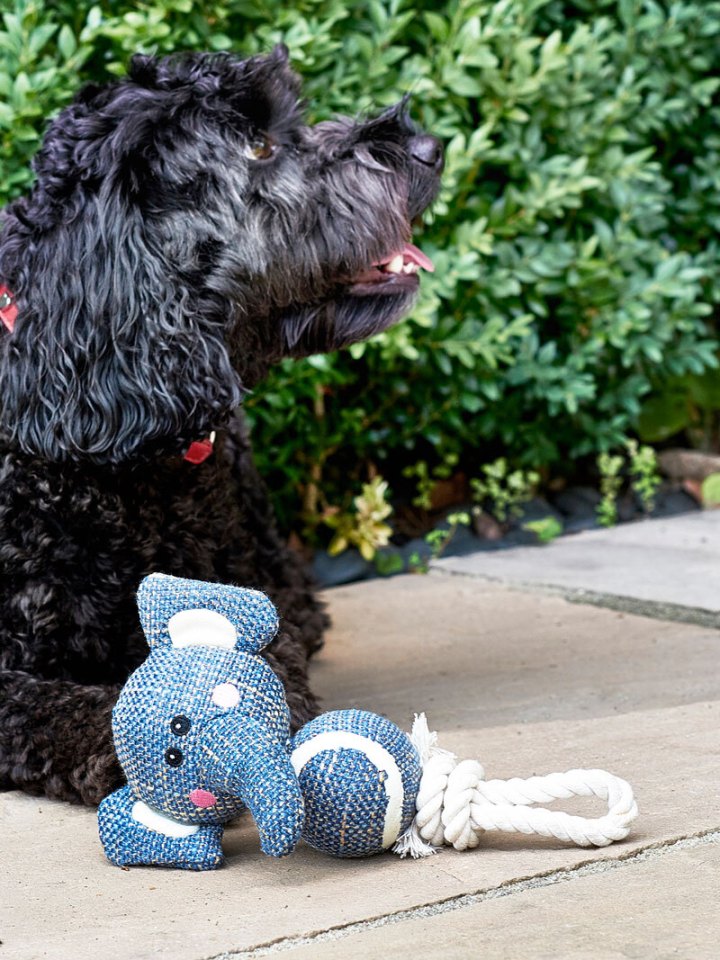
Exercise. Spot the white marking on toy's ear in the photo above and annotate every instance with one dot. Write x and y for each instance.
(201, 628)
(154, 820)
(380, 758)
(226, 695)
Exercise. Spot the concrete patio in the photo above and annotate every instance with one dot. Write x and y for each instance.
(510, 671)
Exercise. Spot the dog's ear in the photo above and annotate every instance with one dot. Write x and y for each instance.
(112, 349)
(279, 56)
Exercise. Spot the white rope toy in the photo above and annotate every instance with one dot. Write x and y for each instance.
(455, 804)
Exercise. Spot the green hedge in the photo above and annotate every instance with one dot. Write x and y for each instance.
(575, 239)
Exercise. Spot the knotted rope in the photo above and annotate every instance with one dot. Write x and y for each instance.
(455, 804)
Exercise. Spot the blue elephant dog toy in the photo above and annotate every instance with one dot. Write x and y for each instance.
(202, 731)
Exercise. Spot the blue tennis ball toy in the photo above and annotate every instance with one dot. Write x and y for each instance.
(359, 776)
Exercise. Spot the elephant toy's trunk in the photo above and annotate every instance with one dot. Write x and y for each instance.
(244, 761)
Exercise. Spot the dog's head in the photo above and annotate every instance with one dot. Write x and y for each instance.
(186, 230)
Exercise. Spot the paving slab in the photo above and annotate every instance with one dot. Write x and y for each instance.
(658, 906)
(506, 677)
(664, 568)
(59, 898)
(473, 654)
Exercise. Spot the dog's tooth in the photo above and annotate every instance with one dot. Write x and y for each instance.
(410, 268)
(395, 265)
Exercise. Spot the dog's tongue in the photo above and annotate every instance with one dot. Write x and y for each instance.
(414, 255)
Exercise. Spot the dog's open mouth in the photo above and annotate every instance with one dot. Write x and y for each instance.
(395, 273)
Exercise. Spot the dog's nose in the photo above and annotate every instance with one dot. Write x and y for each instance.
(426, 150)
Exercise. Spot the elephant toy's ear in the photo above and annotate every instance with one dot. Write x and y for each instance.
(175, 612)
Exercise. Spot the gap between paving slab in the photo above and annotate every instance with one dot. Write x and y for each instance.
(664, 568)
(509, 678)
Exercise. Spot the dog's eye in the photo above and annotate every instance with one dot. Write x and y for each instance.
(261, 147)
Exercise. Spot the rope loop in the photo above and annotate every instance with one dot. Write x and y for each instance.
(455, 804)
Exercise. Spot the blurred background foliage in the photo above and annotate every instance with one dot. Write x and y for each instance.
(575, 239)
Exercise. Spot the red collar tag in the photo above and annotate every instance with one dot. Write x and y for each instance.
(8, 310)
(200, 450)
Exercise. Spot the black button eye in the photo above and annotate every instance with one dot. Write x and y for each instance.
(180, 725)
(173, 757)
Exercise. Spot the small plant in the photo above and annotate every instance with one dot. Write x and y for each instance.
(438, 540)
(424, 483)
(426, 480)
(389, 562)
(546, 529)
(364, 528)
(645, 478)
(609, 466)
(503, 489)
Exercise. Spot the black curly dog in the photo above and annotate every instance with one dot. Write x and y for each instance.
(186, 230)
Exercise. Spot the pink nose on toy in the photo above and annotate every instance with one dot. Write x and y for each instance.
(202, 798)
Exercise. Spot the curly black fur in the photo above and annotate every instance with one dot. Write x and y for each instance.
(186, 230)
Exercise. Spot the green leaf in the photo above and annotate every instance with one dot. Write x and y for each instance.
(39, 37)
(437, 25)
(94, 18)
(461, 83)
(67, 44)
(546, 529)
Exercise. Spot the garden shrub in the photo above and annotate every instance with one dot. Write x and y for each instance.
(575, 238)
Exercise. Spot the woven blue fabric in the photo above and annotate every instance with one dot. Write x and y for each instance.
(128, 842)
(160, 596)
(201, 730)
(346, 801)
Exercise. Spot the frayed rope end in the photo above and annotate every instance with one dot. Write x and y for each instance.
(411, 843)
(425, 740)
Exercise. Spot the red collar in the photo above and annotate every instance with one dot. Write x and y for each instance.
(200, 450)
(8, 310)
